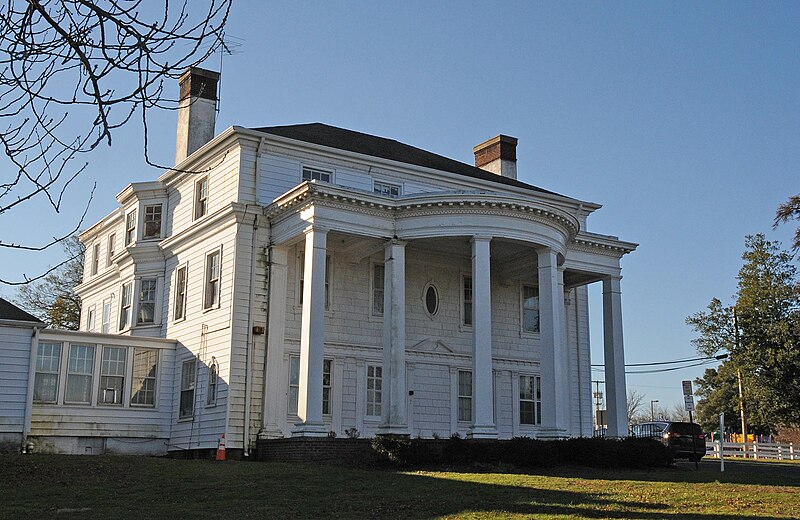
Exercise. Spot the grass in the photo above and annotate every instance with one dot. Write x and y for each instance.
(49, 486)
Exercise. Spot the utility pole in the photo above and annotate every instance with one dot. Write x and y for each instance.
(739, 376)
(598, 398)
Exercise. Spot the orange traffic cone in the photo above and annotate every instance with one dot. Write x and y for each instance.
(221, 448)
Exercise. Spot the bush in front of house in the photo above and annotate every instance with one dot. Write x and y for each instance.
(522, 452)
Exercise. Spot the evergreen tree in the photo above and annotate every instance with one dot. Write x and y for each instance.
(768, 307)
(762, 335)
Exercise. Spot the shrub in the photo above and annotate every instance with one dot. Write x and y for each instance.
(392, 448)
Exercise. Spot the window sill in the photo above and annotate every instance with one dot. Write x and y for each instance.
(210, 309)
(185, 419)
(523, 334)
(145, 326)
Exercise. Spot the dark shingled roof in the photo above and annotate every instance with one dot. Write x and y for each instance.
(343, 139)
(9, 311)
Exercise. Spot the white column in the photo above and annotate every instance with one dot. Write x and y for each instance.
(393, 397)
(614, 358)
(482, 388)
(312, 337)
(275, 377)
(552, 346)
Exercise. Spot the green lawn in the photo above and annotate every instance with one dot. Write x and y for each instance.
(42, 486)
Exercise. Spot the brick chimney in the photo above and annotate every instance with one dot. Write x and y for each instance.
(197, 111)
(498, 155)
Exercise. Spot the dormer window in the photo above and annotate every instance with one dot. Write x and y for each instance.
(201, 198)
(152, 221)
(313, 174)
(130, 228)
(386, 189)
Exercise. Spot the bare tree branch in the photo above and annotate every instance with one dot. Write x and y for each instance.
(789, 210)
(73, 71)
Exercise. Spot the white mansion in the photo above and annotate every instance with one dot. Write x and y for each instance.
(306, 279)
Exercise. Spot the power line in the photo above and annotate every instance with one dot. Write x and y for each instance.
(659, 370)
(710, 358)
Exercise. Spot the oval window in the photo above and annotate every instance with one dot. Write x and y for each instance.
(431, 300)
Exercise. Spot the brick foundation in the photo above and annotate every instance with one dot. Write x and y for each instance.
(347, 452)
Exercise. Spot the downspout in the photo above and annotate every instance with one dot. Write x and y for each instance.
(26, 427)
(248, 397)
(268, 267)
(248, 352)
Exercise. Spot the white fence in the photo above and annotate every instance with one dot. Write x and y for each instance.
(753, 450)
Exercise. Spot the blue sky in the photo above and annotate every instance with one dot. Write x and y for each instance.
(681, 118)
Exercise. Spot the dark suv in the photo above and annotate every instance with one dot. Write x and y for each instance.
(687, 440)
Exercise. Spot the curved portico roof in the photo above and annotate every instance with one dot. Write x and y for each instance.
(427, 215)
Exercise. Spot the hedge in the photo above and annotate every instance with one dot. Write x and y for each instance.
(522, 452)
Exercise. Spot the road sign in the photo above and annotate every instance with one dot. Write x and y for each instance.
(687, 387)
(688, 401)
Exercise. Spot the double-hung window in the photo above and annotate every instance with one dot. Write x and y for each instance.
(112, 245)
(378, 274)
(327, 365)
(147, 301)
(374, 389)
(90, 320)
(314, 174)
(466, 301)
(530, 309)
(48, 363)
(80, 367)
(386, 189)
(180, 293)
(95, 258)
(125, 303)
(201, 198)
(294, 384)
(130, 228)
(152, 221)
(212, 281)
(105, 327)
(188, 375)
(530, 400)
(302, 269)
(143, 386)
(112, 375)
(211, 390)
(464, 395)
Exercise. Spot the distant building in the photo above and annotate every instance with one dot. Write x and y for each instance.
(313, 279)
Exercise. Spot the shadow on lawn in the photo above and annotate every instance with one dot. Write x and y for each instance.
(131, 487)
(439, 497)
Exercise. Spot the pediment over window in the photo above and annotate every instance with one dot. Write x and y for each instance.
(433, 345)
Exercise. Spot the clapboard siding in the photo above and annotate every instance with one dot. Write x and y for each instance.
(205, 334)
(15, 349)
(248, 310)
(222, 172)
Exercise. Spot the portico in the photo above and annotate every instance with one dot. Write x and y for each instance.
(506, 247)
